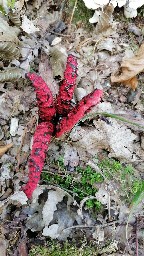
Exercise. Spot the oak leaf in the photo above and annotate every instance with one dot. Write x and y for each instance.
(3, 149)
(130, 68)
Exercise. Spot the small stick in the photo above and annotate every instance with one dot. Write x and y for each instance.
(136, 238)
(72, 15)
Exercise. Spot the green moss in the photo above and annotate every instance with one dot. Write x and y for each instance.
(124, 175)
(81, 14)
(66, 249)
(2, 10)
(81, 183)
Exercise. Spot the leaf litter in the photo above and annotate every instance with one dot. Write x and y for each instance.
(99, 54)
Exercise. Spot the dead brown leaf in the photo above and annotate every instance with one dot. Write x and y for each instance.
(22, 248)
(9, 42)
(3, 242)
(130, 68)
(3, 149)
(58, 60)
(105, 25)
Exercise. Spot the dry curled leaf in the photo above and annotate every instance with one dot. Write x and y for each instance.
(48, 215)
(3, 242)
(28, 26)
(14, 17)
(130, 68)
(10, 74)
(104, 20)
(3, 149)
(8, 49)
(9, 42)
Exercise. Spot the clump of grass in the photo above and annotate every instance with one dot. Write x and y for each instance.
(81, 183)
(58, 249)
(10, 4)
(125, 177)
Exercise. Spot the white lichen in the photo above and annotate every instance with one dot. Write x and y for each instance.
(130, 6)
(95, 4)
(134, 4)
(118, 3)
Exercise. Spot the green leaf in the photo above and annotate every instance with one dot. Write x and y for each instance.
(139, 196)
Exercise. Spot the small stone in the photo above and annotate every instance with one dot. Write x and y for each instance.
(122, 99)
(5, 172)
(57, 40)
(60, 27)
(25, 148)
(13, 126)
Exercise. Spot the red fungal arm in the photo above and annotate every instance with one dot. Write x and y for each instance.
(83, 107)
(67, 86)
(44, 97)
(41, 140)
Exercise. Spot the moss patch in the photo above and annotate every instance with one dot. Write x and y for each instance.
(81, 14)
(80, 183)
(55, 248)
(124, 175)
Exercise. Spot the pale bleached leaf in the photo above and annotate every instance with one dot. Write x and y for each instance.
(10, 74)
(28, 25)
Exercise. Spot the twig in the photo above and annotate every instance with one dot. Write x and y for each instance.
(109, 205)
(91, 226)
(136, 238)
(59, 34)
(72, 15)
(83, 202)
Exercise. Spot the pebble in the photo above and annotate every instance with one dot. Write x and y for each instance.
(13, 126)
(55, 41)
(122, 99)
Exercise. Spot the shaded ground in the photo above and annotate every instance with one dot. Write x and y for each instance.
(82, 194)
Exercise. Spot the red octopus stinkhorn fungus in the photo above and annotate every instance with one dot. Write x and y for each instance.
(48, 110)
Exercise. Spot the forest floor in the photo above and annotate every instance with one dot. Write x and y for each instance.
(89, 200)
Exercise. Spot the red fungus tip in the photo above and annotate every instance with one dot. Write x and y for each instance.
(77, 113)
(66, 89)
